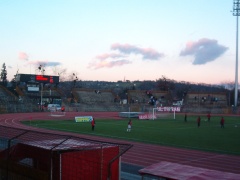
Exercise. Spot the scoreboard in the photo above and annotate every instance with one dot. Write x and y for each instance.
(37, 78)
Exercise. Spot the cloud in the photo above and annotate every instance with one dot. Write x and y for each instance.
(108, 60)
(44, 63)
(106, 56)
(23, 56)
(147, 53)
(204, 50)
(123, 56)
(108, 64)
(53, 64)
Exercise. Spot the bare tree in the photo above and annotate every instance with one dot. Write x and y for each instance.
(61, 72)
(165, 84)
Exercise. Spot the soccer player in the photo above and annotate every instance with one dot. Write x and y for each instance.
(198, 121)
(208, 116)
(93, 124)
(222, 122)
(129, 127)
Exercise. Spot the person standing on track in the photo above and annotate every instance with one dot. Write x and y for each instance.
(93, 124)
(208, 116)
(185, 117)
(198, 121)
(222, 122)
(129, 127)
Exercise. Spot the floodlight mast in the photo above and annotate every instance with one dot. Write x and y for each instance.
(236, 12)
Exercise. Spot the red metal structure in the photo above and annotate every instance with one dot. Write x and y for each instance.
(55, 156)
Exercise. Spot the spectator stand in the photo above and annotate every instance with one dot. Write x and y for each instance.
(144, 101)
(207, 99)
(90, 96)
(206, 102)
(95, 100)
(8, 101)
(137, 97)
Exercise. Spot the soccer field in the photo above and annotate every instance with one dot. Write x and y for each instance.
(177, 133)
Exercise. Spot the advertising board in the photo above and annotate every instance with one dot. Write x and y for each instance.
(83, 118)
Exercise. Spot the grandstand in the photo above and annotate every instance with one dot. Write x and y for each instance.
(105, 100)
(144, 101)
(11, 103)
(92, 100)
(164, 97)
(83, 99)
(90, 96)
(143, 97)
(207, 98)
(206, 102)
(137, 96)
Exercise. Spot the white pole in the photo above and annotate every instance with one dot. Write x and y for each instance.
(236, 70)
(153, 113)
(236, 12)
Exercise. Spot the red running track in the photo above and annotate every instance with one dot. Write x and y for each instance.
(140, 154)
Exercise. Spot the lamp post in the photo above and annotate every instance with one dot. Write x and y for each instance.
(236, 12)
(41, 96)
(41, 69)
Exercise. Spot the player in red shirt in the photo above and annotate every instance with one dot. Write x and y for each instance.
(93, 124)
(208, 116)
(222, 122)
(198, 121)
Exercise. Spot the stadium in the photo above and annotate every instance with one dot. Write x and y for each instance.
(32, 151)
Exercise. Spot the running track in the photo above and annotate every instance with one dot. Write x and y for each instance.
(140, 154)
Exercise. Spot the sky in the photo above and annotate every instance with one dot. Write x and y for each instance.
(112, 40)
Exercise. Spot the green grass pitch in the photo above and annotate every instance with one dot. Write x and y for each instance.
(177, 133)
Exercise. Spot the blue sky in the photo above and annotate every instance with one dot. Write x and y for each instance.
(111, 40)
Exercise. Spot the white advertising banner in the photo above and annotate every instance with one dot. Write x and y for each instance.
(168, 109)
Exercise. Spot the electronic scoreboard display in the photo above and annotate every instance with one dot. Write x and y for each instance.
(37, 78)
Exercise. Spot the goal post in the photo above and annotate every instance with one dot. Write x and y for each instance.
(165, 112)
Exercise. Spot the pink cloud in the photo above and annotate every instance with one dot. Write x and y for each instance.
(110, 60)
(23, 56)
(147, 53)
(106, 56)
(108, 64)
